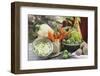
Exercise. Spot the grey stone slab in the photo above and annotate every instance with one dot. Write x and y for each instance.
(32, 56)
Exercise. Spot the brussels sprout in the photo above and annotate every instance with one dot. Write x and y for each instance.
(65, 51)
(66, 54)
(76, 42)
(72, 40)
(69, 54)
(68, 41)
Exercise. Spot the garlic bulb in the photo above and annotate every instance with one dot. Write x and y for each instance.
(83, 44)
(78, 52)
(85, 50)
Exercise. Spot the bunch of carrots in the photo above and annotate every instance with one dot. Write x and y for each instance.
(60, 35)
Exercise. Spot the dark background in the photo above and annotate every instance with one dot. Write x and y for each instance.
(84, 28)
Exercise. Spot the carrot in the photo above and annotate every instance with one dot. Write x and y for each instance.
(61, 30)
(58, 36)
(61, 37)
(50, 36)
(63, 33)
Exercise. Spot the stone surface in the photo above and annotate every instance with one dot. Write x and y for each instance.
(32, 56)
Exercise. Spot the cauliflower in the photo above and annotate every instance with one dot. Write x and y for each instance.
(43, 30)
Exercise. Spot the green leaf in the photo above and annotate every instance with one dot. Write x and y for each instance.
(79, 19)
(70, 18)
